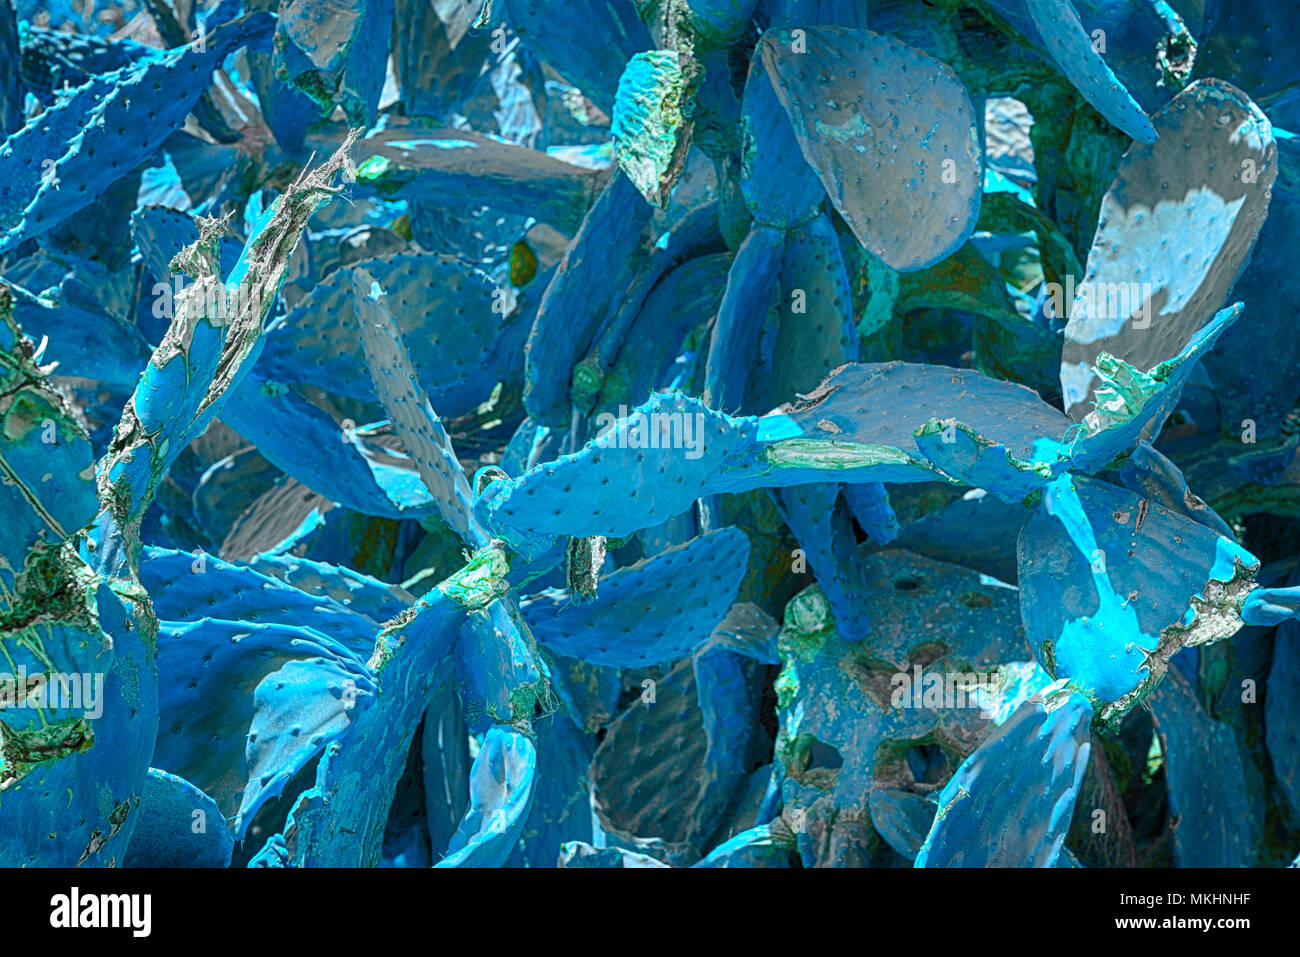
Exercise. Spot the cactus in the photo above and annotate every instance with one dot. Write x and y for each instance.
(939, 159)
(1279, 711)
(1254, 384)
(721, 21)
(1216, 822)
(171, 807)
(589, 46)
(660, 734)
(453, 338)
(1074, 52)
(1226, 190)
(709, 433)
(419, 428)
(333, 55)
(779, 186)
(11, 86)
(102, 604)
(753, 848)
(833, 761)
(621, 628)
(823, 526)
(54, 60)
(976, 796)
(650, 137)
(750, 296)
(561, 808)
(480, 169)
(608, 241)
(1265, 71)
(96, 117)
(581, 854)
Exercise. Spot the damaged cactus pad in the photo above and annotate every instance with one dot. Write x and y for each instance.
(639, 434)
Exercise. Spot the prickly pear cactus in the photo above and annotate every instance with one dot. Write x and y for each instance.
(648, 433)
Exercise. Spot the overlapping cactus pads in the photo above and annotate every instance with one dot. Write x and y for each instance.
(649, 433)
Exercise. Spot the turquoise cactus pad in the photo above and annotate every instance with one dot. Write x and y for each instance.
(721, 21)
(749, 297)
(1281, 708)
(79, 124)
(779, 186)
(1216, 827)
(1112, 586)
(561, 802)
(1047, 777)
(622, 628)
(833, 760)
(821, 524)
(589, 47)
(608, 242)
(421, 431)
(500, 796)
(179, 826)
(931, 149)
(252, 740)
(501, 175)
(451, 340)
(1074, 51)
(1216, 151)
(1252, 383)
(49, 489)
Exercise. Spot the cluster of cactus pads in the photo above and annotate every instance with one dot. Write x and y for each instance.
(649, 433)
